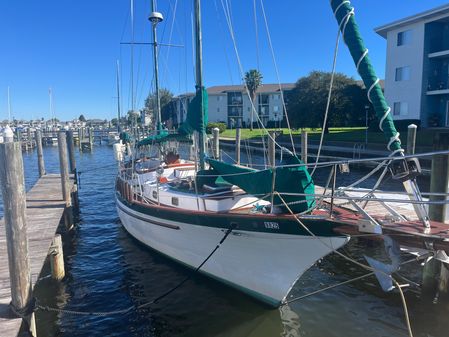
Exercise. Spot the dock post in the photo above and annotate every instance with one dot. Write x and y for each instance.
(91, 137)
(439, 178)
(411, 138)
(272, 148)
(63, 165)
(40, 153)
(304, 146)
(216, 142)
(238, 136)
(71, 149)
(57, 258)
(14, 199)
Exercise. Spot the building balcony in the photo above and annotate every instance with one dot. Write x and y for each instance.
(438, 87)
(439, 54)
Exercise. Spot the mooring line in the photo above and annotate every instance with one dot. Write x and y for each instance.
(134, 307)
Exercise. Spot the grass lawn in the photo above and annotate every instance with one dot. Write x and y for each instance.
(355, 135)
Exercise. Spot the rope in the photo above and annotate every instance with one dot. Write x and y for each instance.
(277, 76)
(341, 27)
(133, 307)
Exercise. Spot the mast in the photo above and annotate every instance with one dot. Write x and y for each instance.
(132, 54)
(199, 79)
(9, 107)
(118, 96)
(344, 13)
(50, 95)
(155, 18)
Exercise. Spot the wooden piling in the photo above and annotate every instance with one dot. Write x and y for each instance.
(40, 153)
(216, 142)
(304, 146)
(238, 136)
(411, 138)
(272, 148)
(63, 165)
(71, 150)
(439, 178)
(91, 137)
(57, 258)
(14, 200)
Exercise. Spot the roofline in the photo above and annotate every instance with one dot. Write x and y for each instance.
(383, 30)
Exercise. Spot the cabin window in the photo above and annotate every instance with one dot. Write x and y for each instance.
(404, 37)
(154, 194)
(175, 201)
(402, 74)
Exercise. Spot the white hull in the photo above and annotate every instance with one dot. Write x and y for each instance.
(264, 265)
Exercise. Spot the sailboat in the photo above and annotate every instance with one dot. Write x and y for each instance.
(255, 230)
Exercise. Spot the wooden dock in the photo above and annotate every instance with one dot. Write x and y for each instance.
(45, 208)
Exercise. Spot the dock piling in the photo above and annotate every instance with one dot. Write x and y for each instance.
(40, 153)
(272, 148)
(411, 138)
(439, 178)
(14, 199)
(57, 258)
(63, 165)
(71, 149)
(216, 142)
(238, 136)
(304, 146)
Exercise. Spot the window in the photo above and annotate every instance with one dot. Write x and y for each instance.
(175, 201)
(402, 74)
(276, 97)
(400, 109)
(275, 108)
(404, 37)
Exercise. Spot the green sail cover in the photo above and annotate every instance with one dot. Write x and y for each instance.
(162, 137)
(194, 113)
(259, 182)
(191, 124)
(354, 41)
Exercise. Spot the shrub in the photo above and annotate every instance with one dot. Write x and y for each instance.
(221, 126)
(401, 125)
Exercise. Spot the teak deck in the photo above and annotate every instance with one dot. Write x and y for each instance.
(45, 209)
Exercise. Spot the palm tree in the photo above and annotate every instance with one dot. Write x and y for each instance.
(253, 80)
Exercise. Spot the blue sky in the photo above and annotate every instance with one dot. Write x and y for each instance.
(72, 47)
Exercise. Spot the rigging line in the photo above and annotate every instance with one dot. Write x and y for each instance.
(344, 22)
(132, 53)
(231, 32)
(173, 9)
(278, 76)
(225, 51)
(369, 268)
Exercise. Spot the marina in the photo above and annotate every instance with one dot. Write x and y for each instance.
(248, 209)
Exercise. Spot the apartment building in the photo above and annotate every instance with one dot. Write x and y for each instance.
(230, 104)
(417, 71)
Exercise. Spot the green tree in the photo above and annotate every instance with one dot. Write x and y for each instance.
(166, 96)
(253, 80)
(308, 99)
(133, 118)
(82, 118)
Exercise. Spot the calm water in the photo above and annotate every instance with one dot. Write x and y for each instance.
(107, 270)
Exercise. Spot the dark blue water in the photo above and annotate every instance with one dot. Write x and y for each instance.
(107, 270)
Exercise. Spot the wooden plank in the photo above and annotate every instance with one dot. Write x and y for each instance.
(45, 207)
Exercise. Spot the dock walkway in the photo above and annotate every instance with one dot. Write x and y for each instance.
(45, 208)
